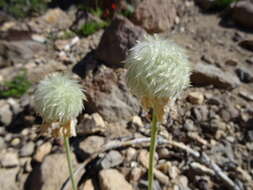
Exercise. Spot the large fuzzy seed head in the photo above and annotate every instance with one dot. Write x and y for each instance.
(58, 98)
(157, 68)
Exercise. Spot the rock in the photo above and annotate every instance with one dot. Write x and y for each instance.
(246, 95)
(155, 15)
(27, 149)
(143, 158)
(91, 124)
(92, 144)
(111, 159)
(19, 51)
(5, 113)
(9, 159)
(2, 143)
(52, 21)
(136, 174)
(130, 154)
(51, 174)
(8, 179)
(245, 75)
(204, 75)
(189, 125)
(117, 39)
(88, 185)
(111, 179)
(136, 122)
(241, 11)
(195, 97)
(200, 113)
(42, 151)
(15, 106)
(108, 95)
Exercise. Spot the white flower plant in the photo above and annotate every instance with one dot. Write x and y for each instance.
(58, 99)
(158, 71)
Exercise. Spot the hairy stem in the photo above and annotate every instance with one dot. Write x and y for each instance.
(68, 152)
(152, 149)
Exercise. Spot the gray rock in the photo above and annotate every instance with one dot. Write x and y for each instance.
(245, 75)
(51, 174)
(5, 113)
(19, 51)
(108, 95)
(204, 75)
(117, 39)
(242, 11)
(52, 21)
(111, 179)
(2, 143)
(155, 15)
(27, 149)
(92, 144)
(111, 159)
(9, 159)
(200, 113)
(8, 179)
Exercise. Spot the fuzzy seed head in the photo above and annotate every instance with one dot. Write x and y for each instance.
(158, 71)
(58, 98)
(157, 68)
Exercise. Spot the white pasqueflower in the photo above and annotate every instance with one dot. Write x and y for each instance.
(58, 99)
(158, 71)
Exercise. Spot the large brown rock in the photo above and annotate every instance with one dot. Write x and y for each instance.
(117, 39)
(242, 13)
(109, 96)
(51, 174)
(204, 75)
(155, 15)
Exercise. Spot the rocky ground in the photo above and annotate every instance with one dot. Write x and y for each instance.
(213, 120)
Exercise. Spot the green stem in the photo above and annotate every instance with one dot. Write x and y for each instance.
(152, 149)
(67, 149)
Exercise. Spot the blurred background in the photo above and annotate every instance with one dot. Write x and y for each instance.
(91, 38)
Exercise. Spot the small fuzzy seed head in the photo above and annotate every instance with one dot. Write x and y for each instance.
(58, 98)
(158, 69)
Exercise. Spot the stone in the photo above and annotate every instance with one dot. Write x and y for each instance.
(200, 113)
(27, 149)
(52, 21)
(155, 15)
(51, 174)
(20, 51)
(130, 154)
(91, 124)
(204, 75)
(241, 11)
(15, 142)
(143, 158)
(136, 173)
(111, 179)
(9, 159)
(137, 122)
(5, 113)
(245, 75)
(246, 95)
(8, 179)
(189, 125)
(117, 39)
(109, 96)
(195, 97)
(92, 144)
(42, 151)
(2, 143)
(111, 159)
(88, 185)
